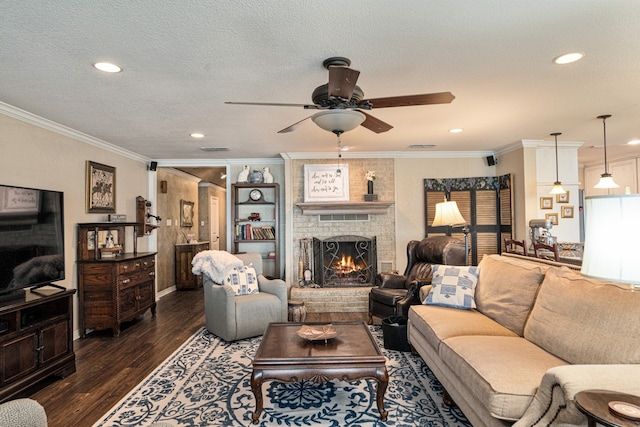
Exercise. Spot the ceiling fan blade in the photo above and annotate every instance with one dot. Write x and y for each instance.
(342, 81)
(374, 124)
(409, 100)
(275, 104)
(294, 126)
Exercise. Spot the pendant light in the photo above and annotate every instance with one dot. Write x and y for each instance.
(557, 186)
(606, 179)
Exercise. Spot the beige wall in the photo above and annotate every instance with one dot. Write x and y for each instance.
(34, 157)
(409, 193)
(205, 192)
(180, 186)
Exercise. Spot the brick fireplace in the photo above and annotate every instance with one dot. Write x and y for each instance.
(349, 298)
(345, 261)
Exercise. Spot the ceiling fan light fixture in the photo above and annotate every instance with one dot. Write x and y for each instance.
(338, 121)
(196, 135)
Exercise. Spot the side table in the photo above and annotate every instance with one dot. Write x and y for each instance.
(595, 405)
(297, 311)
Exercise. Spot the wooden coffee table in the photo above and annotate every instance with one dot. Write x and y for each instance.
(284, 356)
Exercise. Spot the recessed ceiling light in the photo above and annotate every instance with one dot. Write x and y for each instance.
(197, 135)
(568, 58)
(634, 142)
(344, 148)
(456, 130)
(107, 67)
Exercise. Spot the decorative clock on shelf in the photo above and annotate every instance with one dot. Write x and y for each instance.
(255, 195)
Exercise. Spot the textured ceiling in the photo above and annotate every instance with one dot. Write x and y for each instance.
(183, 59)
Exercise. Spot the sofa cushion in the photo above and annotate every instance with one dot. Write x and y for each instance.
(501, 372)
(439, 323)
(243, 280)
(585, 321)
(507, 289)
(453, 286)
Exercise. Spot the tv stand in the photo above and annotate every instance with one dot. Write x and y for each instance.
(36, 341)
(13, 295)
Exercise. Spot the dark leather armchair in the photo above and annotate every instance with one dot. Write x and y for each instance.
(394, 293)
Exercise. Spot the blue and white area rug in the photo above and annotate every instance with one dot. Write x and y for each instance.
(206, 382)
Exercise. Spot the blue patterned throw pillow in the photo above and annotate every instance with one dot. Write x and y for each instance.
(243, 280)
(453, 286)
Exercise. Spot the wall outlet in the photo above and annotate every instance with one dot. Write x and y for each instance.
(168, 223)
(202, 223)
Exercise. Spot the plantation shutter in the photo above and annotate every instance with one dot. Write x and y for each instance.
(484, 202)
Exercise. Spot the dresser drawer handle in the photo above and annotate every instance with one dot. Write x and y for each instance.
(125, 281)
(138, 264)
(145, 263)
(125, 267)
(152, 274)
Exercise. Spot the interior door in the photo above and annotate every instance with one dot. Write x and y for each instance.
(214, 223)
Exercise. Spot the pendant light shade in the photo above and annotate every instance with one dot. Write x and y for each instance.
(557, 186)
(606, 179)
(338, 121)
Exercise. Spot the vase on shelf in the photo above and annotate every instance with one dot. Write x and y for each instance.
(370, 197)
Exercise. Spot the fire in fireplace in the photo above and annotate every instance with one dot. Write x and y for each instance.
(345, 261)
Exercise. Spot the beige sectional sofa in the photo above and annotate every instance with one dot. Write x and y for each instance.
(540, 333)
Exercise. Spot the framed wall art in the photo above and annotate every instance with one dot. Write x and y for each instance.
(553, 217)
(546, 202)
(562, 198)
(186, 213)
(100, 188)
(566, 212)
(326, 183)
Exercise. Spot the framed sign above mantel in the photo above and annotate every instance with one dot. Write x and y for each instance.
(326, 183)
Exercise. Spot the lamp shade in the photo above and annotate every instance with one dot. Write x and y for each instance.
(447, 213)
(338, 121)
(612, 236)
(606, 181)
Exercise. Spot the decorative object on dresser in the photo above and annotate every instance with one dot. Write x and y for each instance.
(100, 188)
(117, 289)
(185, 252)
(255, 215)
(36, 340)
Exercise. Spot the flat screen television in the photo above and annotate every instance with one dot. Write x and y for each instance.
(31, 239)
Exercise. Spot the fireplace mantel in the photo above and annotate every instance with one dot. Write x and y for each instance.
(329, 208)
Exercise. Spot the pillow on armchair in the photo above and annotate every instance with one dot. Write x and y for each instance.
(243, 280)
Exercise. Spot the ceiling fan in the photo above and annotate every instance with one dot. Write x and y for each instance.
(342, 102)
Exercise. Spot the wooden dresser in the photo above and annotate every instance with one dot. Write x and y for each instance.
(112, 289)
(185, 252)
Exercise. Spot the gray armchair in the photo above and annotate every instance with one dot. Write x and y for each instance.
(233, 317)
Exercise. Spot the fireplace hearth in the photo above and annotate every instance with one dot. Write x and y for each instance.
(345, 261)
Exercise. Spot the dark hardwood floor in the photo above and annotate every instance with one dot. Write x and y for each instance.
(107, 368)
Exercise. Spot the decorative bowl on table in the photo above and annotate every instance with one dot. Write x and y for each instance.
(317, 332)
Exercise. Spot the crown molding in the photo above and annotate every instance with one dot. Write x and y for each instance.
(41, 122)
(384, 155)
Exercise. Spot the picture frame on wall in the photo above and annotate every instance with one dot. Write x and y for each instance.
(326, 183)
(553, 217)
(186, 213)
(100, 188)
(546, 202)
(562, 198)
(566, 212)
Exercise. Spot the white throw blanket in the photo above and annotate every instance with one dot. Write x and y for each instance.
(215, 264)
